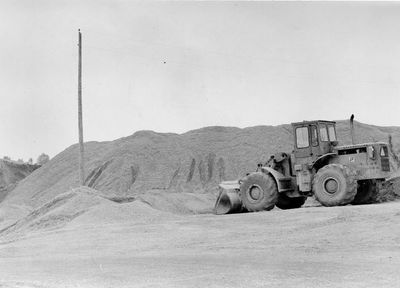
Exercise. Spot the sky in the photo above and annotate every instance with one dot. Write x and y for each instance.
(179, 66)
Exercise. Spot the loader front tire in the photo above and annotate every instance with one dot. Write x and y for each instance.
(286, 202)
(334, 185)
(258, 192)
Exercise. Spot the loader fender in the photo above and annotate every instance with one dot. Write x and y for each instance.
(284, 183)
(230, 185)
(318, 163)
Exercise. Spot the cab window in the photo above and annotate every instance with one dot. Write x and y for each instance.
(314, 136)
(302, 137)
(371, 152)
(332, 134)
(384, 151)
(323, 133)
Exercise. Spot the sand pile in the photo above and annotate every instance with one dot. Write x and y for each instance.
(9, 214)
(166, 169)
(57, 212)
(192, 162)
(110, 212)
(81, 207)
(389, 192)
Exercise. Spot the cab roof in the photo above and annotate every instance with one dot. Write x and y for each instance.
(313, 122)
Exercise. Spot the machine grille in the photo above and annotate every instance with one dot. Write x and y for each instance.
(385, 164)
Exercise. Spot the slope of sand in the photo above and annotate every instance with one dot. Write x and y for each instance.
(55, 213)
(133, 245)
(82, 206)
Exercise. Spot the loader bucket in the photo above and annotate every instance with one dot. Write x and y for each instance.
(228, 200)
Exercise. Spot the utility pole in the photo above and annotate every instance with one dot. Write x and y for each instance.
(80, 124)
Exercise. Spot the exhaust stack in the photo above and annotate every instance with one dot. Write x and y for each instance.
(352, 129)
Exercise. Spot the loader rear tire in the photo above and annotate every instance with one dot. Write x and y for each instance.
(366, 192)
(258, 192)
(285, 202)
(334, 185)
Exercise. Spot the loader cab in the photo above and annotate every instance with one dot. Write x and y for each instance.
(313, 139)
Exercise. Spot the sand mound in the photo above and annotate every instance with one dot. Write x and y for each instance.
(111, 212)
(389, 193)
(86, 207)
(57, 212)
(9, 214)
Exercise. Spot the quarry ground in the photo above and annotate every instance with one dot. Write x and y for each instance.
(350, 246)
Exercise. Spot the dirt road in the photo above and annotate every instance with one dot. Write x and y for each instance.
(351, 246)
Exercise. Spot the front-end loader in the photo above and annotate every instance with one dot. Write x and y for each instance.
(335, 175)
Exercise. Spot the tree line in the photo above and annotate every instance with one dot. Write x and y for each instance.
(41, 160)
